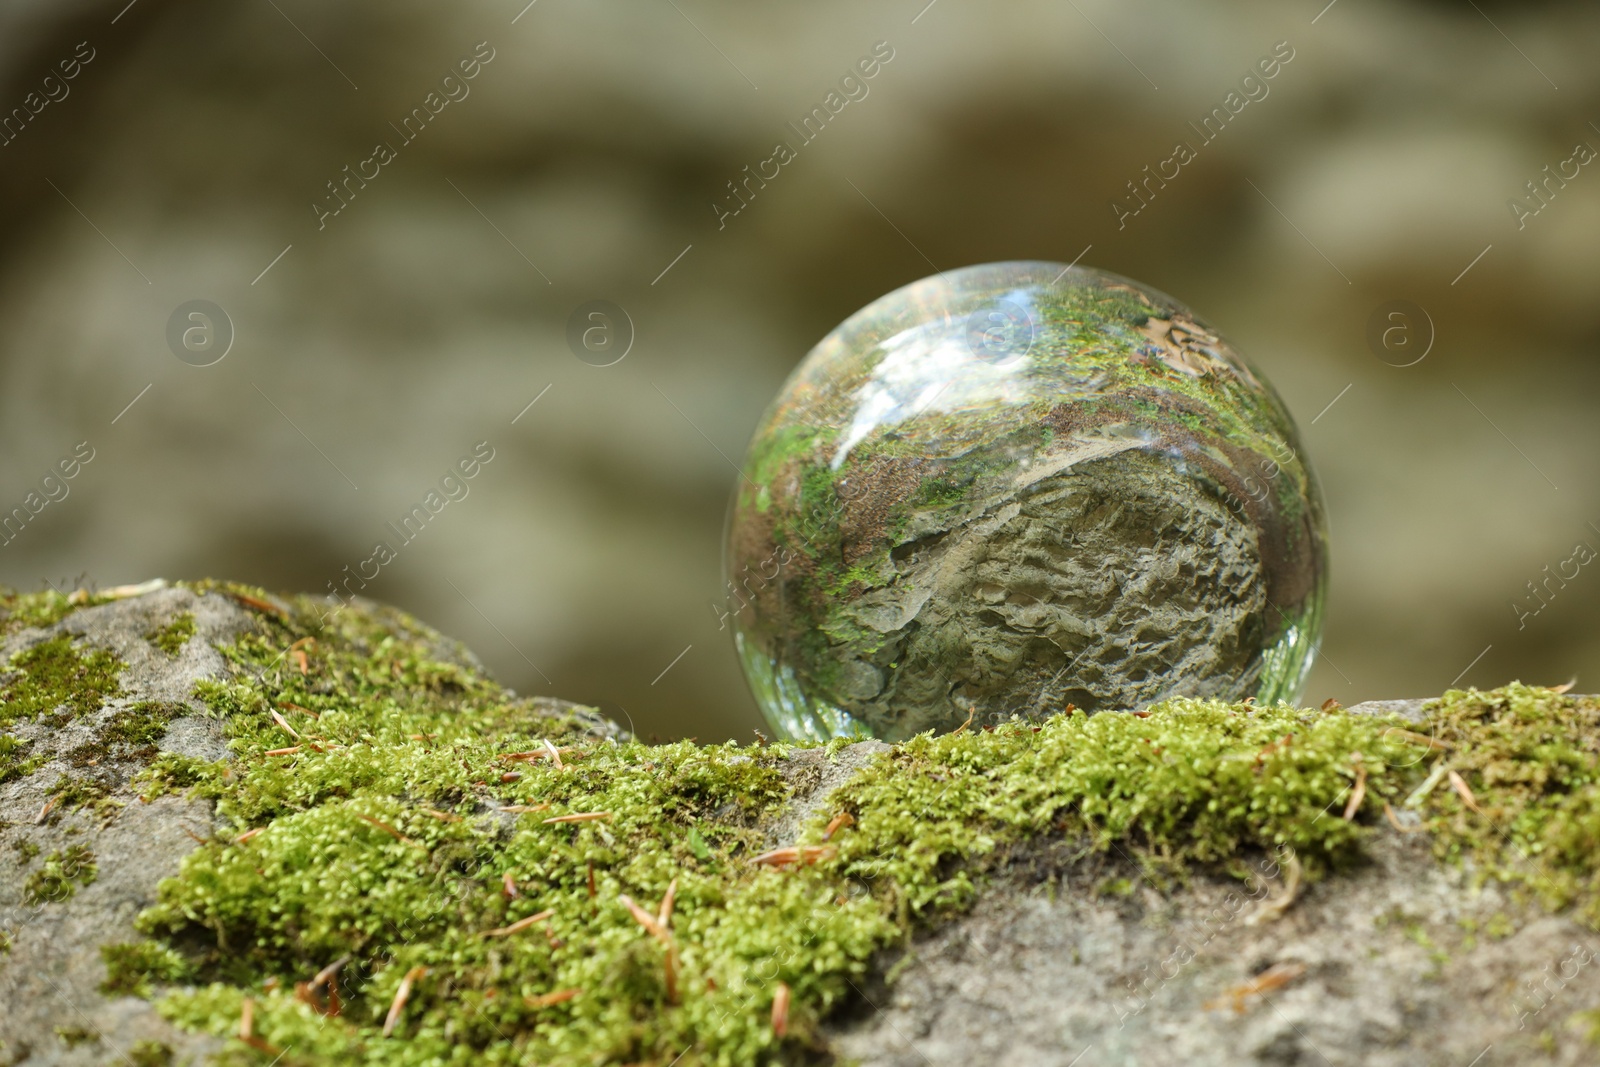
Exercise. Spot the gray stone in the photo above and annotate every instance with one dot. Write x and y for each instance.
(1386, 973)
(50, 980)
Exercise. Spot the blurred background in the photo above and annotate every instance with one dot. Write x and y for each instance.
(189, 153)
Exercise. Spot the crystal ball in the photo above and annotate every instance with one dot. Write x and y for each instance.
(1013, 488)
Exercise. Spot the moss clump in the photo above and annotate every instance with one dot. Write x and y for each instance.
(131, 967)
(75, 794)
(54, 674)
(403, 829)
(383, 837)
(13, 763)
(5, 942)
(63, 872)
(171, 772)
(26, 851)
(73, 1036)
(149, 1053)
(1530, 816)
(1190, 782)
(21, 610)
(171, 637)
(131, 733)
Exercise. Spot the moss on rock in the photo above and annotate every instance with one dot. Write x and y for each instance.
(61, 875)
(37, 610)
(389, 818)
(172, 636)
(396, 818)
(55, 676)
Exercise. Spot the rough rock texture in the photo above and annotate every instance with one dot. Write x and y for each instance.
(1060, 972)
(1072, 960)
(1069, 957)
(51, 977)
(54, 1011)
(1390, 978)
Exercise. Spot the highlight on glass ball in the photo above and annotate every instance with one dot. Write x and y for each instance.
(1013, 488)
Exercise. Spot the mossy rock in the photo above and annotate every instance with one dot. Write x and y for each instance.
(249, 829)
(109, 720)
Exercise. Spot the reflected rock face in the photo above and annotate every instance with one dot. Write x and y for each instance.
(1014, 487)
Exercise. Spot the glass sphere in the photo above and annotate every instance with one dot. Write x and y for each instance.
(1016, 487)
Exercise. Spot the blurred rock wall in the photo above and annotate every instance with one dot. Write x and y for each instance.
(589, 157)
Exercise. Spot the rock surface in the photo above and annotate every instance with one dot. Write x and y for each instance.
(1383, 969)
(1069, 957)
(50, 980)
(1400, 962)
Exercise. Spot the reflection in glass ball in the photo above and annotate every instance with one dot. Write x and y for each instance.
(1014, 487)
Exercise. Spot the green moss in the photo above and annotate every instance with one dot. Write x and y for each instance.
(941, 492)
(129, 733)
(74, 794)
(377, 834)
(21, 610)
(854, 579)
(1531, 759)
(13, 764)
(171, 772)
(1193, 782)
(148, 1053)
(774, 451)
(130, 968)
(54, 676)
(63, 872)
(171, 637)
(26, 851)
(73, 1036)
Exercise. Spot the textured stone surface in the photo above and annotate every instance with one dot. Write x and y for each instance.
(52, 975)
(1055, 974)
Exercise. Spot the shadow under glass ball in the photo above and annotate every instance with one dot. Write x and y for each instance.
(1014, 487)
